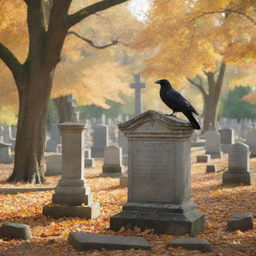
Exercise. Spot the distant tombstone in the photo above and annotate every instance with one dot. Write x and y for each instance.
(226, 139)
(53, 164)
(238, 166)
(54, 140)
(159, 179)
(212, 144)
(123, 142)
(7, 136)
(100, 140)
(89, 162)
(72, 197)
(5, 153)
(251, 141)
(112, 160)
(138, 85)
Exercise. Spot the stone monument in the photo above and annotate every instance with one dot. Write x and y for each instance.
(159, 180)
(212, 144)
(238, 166)
(138, 85)
(72, 197)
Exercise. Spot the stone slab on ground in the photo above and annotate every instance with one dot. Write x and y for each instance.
(211, 168)
(203, 158)
(23, 190)
(15, 231)
(85, 241)
(242, 221)
(192, 243)
(59, 211)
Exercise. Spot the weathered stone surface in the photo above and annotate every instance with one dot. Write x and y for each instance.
(203, 158)
(5, 153)
(86, 241)
(53, 164)
(241, 221)
(192, 243)
(211, 168)
(159, 187)
(112, 160)
(124, 181)
(72, 194)
(212, 144)
(100, 140)
(15, 231)
(238, 166)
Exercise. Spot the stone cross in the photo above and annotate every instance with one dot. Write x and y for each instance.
(138, 86)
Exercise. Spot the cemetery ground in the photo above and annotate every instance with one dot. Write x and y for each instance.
(217, 202)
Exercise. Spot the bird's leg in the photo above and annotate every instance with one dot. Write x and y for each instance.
(172, 114)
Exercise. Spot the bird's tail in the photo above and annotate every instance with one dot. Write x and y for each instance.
(192, 120)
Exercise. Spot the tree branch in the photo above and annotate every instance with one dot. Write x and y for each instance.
(226, 12)
(91, 9)
(90, 42)
(199, 86)
(10, 60)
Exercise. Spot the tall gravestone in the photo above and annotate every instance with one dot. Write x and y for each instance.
(226, 139)
(72, 195)
(138, 85)
(212, 144)
(54, 141)
(100, 140)
(251, 141)
(159, 179)
(238, 166)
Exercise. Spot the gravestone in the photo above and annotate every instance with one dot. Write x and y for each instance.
(226, 139)
(138, 86)
(53, 164)
(89, 162)
(112, 160)
(100, 140)
(238, 166)
(123, 142)
(251, 141)
(52, 143)
(7, 136)
(159, 179)
(212, 144)
(72, 197)
(5, 153)
(15, 231)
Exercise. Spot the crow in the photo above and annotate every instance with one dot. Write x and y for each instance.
(175, 101)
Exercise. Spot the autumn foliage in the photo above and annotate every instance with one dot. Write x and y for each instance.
(217, 202)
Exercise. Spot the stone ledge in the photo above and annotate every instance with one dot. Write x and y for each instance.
(86, 241)
(59, 211)
(191, 244)
(23, 190)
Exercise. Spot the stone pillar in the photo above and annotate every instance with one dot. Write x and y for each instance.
(238, 166)
(72, 194)
(159, 189)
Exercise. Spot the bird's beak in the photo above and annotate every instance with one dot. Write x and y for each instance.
(157, 82)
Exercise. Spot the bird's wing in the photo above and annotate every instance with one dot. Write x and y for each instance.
(180, 101)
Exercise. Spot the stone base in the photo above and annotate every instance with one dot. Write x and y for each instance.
(229, 177)
(89, 162)
(124, 181)
(112, 168)
(59, 211)
(71, 199)
(163, 218)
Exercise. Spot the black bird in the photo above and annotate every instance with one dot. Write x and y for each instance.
(175, 101)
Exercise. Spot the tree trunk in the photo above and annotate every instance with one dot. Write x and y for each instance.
(31, 128)
(65, 109)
